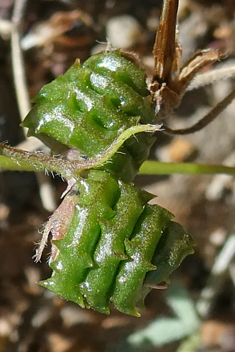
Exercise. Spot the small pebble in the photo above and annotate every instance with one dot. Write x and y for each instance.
(177, 151)
(217, 237)
(123, 31)
(59, 343)
(213, 333)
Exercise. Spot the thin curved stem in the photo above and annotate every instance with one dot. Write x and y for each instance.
(209, 77)
(70, 169)
(18, 60)
(110, 151)
(211, 116)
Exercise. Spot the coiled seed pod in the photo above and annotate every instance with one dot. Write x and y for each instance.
(106, 240)
(88, 107)
(108, 247)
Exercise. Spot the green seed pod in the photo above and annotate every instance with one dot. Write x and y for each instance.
(108, 244)
(96, 102)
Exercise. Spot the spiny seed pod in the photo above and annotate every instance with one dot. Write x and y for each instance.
(88, 107)
(108, 244)
(106, 250)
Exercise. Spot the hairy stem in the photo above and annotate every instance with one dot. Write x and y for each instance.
(113, 148)
(36, 161)
(11, 165)
(67, 169)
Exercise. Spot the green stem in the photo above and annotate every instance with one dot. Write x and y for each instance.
(11, 165)
(113, 148)
(67, 169)
(158, 168)
(19, 160)
(33, 161)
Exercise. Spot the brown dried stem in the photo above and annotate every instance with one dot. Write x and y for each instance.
(211, 116)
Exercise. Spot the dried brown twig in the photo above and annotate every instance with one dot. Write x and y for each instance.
(170, 81)
(211, 116)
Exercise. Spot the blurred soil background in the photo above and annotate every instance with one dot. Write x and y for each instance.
(54, 34)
